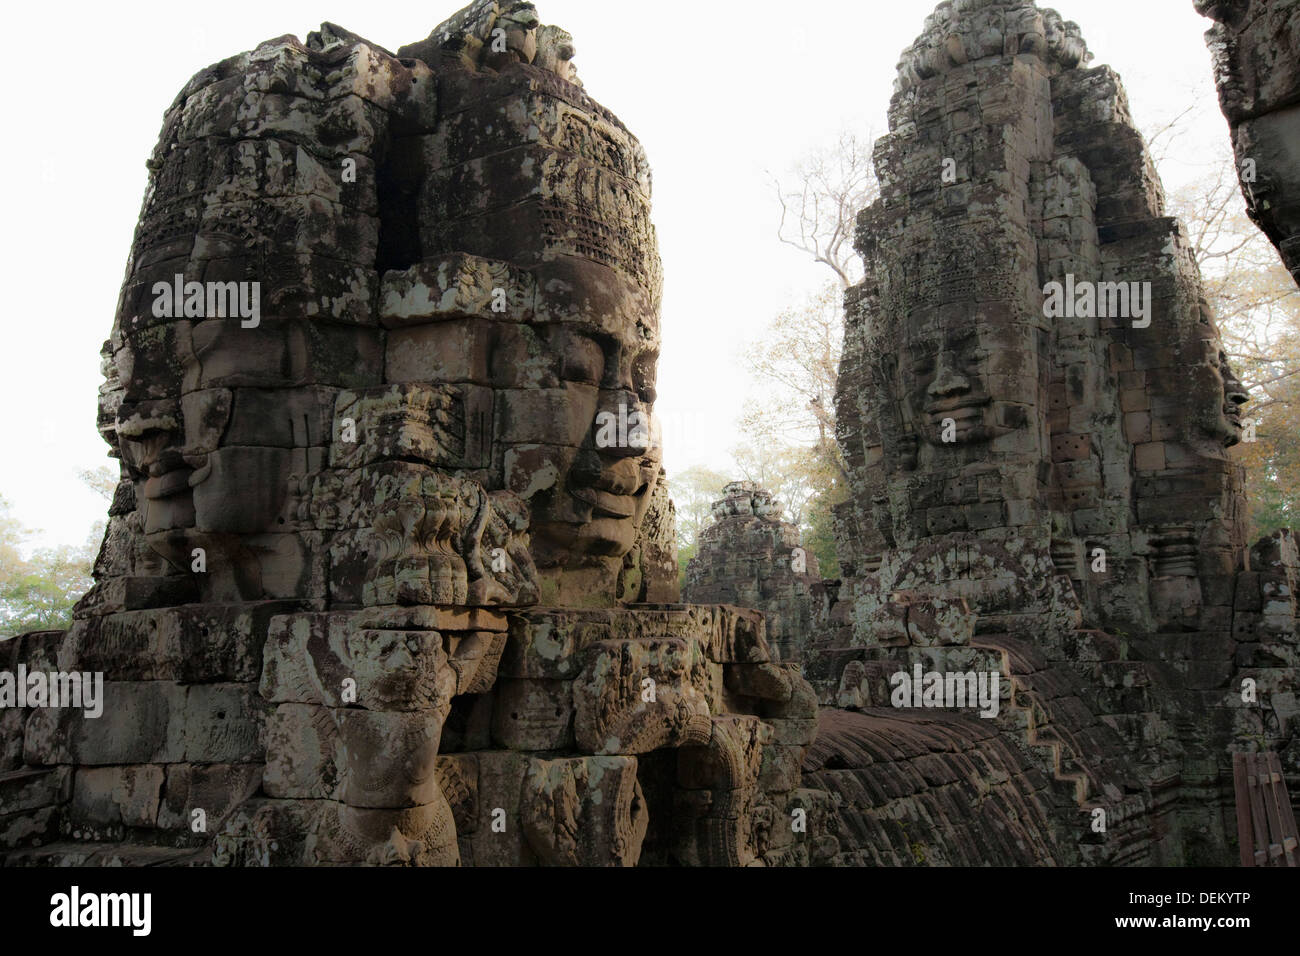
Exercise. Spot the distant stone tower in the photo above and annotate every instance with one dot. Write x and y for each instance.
(751, 557)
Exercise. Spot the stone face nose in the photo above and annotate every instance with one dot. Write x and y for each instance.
(948, 381)
(623, 425)
(1233, 389)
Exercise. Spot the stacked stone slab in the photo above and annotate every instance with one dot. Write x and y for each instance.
(1033, 480)
(1256, 50)
(389, 578)
(750, 557)
(943, 790)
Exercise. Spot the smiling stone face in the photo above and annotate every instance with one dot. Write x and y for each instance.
(965, 384)
(239, 402)
(943, 378)
(537, 191)
(219, 427)
(1232, 394)
(605, 455)
(1234, 397)
(556, 400)
(516, 315)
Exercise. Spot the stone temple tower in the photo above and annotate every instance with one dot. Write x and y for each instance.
(1036, 408)
(750, 557)
(381, 583)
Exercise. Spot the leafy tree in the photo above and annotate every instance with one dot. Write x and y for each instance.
(693, 492)
(102, 480)
(797, 357)
(38, 593)
(790, 423)
(12, 535)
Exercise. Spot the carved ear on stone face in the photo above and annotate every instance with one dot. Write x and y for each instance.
(897, 429)
(555, 52)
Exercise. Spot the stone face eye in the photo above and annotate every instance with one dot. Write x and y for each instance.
(583, 360)
(920, 357)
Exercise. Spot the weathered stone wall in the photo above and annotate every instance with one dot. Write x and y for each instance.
(1256, 50)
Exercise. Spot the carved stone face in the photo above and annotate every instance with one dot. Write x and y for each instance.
(213, 422)
(239, 415)
(591, 458)
(553, 404)
(150, 426)
(1054, 28)
(1234, 397)
(1217, 399)
(231, 433)
(943, 380)
(972, 374)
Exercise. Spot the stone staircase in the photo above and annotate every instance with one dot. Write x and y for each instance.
(1061, 715)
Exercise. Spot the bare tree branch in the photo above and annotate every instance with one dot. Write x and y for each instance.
(831, 186)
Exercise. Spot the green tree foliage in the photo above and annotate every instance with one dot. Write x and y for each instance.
(790, 421)
(37, 593)
(693, 492)
(807, 479)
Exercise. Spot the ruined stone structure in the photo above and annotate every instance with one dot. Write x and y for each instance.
(1256, 48)
(1042, 482)
(389, 575)
(751, 557)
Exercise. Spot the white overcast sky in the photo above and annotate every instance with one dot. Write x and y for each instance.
(718, 93)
